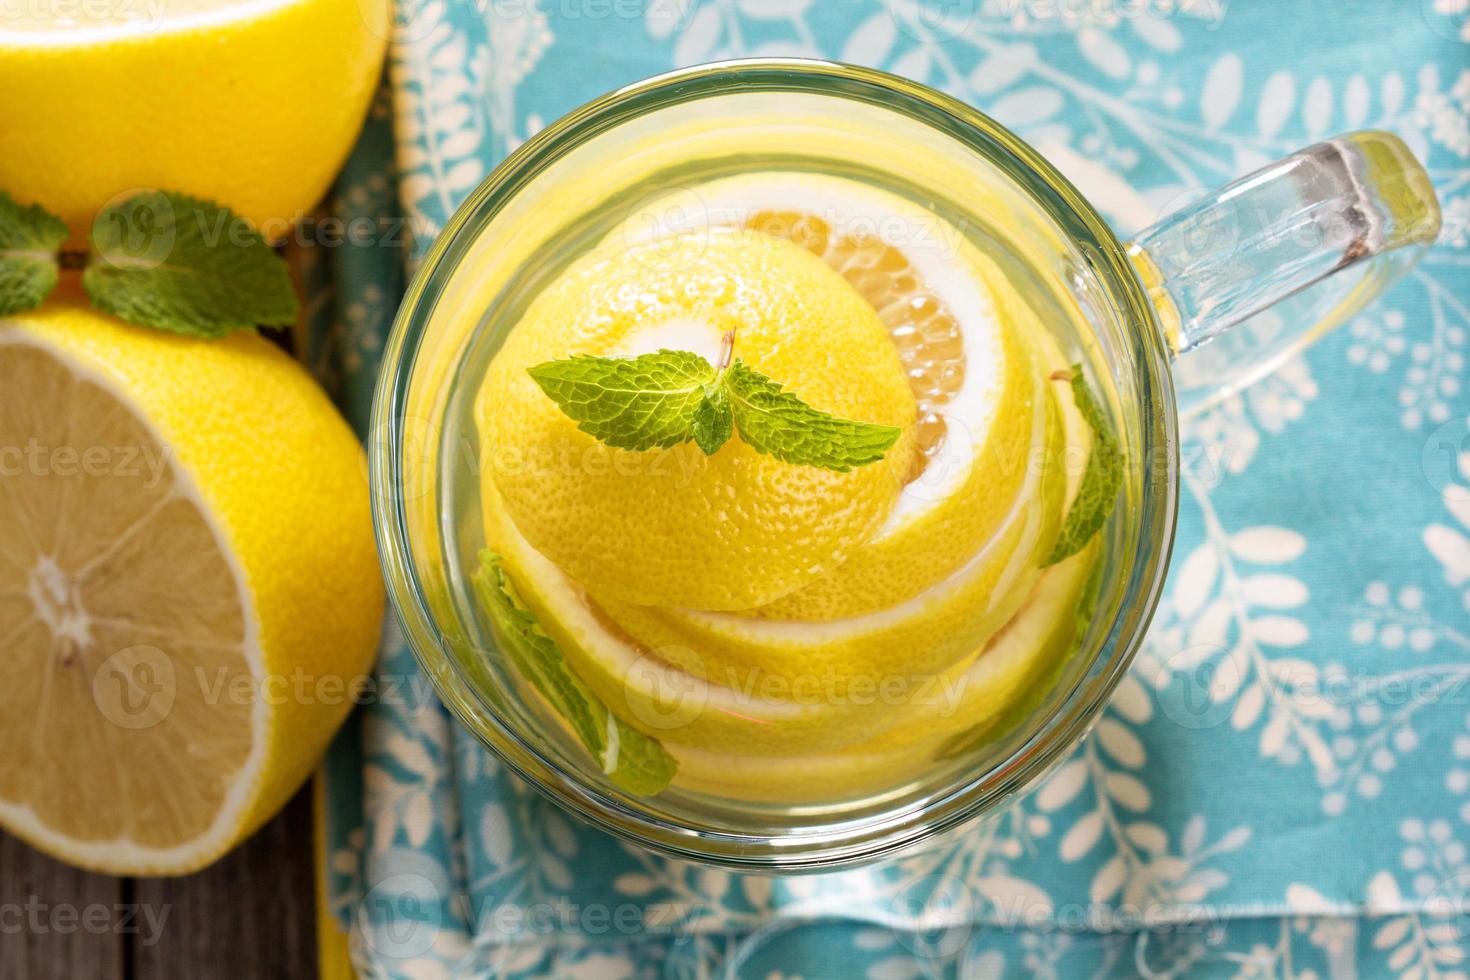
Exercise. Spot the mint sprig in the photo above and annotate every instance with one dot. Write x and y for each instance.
(1098, 492)
(190, 266)
(158, 259)
(632, 760)
(663, 399)
(30, 240)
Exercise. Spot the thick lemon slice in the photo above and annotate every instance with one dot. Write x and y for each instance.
(676, 527)
(927, 633)
(958, 327)
(1009, 674)
(187, 587)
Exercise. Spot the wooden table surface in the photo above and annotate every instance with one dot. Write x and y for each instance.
(249, 915)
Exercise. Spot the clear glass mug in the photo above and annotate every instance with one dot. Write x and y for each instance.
(1199, 305)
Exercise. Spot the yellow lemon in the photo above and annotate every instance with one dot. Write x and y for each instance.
(676, 527)
(188, 584)
(252, 103)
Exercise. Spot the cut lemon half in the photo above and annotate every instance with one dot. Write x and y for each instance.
(955, 322)
(188, 585)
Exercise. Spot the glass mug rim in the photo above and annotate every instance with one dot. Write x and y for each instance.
(867, 838)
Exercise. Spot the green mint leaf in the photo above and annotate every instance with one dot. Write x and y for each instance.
(713, 421)
(167, 260)
(632, 760)
(29, 240)
(643, 767)
(1100, 481)
(644, 402)
(779, 424)
(1047, 672)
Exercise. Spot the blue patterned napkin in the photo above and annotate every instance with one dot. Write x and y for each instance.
(1282, 785)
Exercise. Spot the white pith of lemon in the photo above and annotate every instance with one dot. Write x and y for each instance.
(187, 586)
(677, 527)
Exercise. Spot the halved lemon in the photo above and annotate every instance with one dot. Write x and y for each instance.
(188, 587)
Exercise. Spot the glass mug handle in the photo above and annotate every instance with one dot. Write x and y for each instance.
(1256, 271)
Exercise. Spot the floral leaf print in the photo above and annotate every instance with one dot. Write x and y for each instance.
(1139, 111)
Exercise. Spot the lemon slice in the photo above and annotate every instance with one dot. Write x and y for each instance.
(1011, 672)
(676, 527)
(922, 635)
(705, 694)
(956, 324)
(187, 585)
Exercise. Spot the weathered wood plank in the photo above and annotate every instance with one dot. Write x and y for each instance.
(57, 922)
(252, 914)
